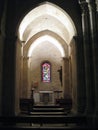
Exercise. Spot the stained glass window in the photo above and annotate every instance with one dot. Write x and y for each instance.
(46, 69)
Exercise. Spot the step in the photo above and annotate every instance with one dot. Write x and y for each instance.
(35, 109)
(48, 113)
(47, 106)
(45, 128)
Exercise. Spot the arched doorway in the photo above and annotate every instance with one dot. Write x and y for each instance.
(46, 34)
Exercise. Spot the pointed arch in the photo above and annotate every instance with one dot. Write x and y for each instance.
(43, 38)
(49, 15)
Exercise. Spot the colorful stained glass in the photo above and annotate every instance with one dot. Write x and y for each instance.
(46, 72)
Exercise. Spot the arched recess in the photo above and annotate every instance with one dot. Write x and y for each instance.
(55, 26)
(48, 14)
(40, 39)
(46, 34)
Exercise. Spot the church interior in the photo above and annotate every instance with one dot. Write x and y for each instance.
(49, 64)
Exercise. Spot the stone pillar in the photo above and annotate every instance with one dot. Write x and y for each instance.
(8, 90)
(18, 73)
(94, 40)
(21, 70)
(9, 60)
(81, 89)
(29, 77)
(2, 37)
(1, 67)
(25, 77)
(87, 58)
(73, 74)
(65, 75)
(7, 95)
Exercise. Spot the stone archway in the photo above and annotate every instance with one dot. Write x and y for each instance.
(57, 23)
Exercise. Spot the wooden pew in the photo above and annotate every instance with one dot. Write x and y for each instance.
(65, 103)
(26, 104)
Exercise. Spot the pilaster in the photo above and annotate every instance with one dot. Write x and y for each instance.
(8, 89)
(94, 41)
(66, 84)
(87, 58)
(81, 89)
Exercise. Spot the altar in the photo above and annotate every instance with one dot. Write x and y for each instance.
(46, 97)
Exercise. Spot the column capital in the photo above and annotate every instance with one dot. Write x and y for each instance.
(65, 58)
(26, 58)
(75, 38)
(84, 6)
(92, 5)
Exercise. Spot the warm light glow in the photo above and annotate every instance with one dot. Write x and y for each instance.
(43, 10)
(44, 38)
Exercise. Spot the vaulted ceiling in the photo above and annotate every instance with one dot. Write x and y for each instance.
(52, 20)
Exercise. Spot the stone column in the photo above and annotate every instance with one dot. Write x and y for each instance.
(8, 90)
(29, 81)
(8, 69)
(65, 75)
(21, 69)
(87, 58)
(73, 74)
(25, 77)
(81, 89)
(1, 67)
(93, 14)
(2, 37)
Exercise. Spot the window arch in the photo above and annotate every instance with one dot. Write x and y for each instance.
(46, 72)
